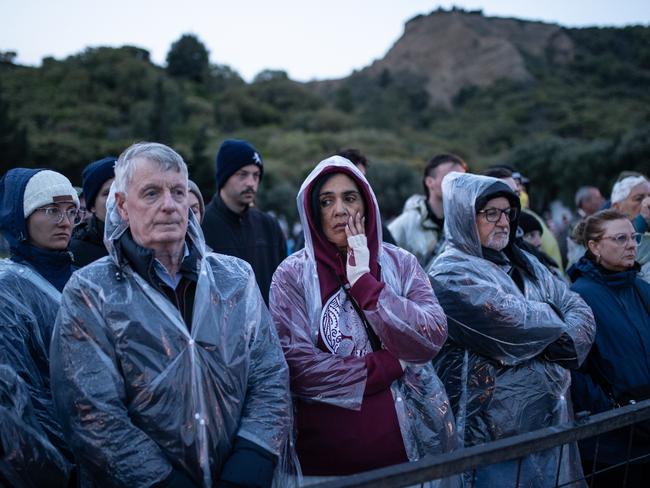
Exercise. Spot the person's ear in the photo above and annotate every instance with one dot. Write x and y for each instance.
(429, 182)
(120, 201)
(594, 247)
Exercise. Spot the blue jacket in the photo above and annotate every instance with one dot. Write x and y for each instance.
(620, 357)
(54, 266)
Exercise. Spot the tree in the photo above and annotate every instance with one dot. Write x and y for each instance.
(14, 147)
(188, 58)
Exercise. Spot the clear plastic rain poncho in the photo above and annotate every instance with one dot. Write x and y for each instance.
(137, 391)
(31, 434)
(407, 319)
(505, 363)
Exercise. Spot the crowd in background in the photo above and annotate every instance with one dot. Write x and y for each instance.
(149, 338)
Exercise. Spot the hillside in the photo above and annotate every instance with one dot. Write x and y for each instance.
(567, 106)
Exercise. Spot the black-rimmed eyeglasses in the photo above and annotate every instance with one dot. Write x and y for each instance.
(494, 214)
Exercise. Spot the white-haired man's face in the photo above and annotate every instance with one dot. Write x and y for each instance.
(635, 202)
(156, 206)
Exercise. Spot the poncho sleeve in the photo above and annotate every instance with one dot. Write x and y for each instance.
(317, 375)
(489, 315)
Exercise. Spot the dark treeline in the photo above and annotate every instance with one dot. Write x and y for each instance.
(575, 123)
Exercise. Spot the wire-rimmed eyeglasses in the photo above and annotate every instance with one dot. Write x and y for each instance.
(494, 214)
(623, 239)
(55, 214)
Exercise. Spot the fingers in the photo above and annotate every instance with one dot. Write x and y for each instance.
(356, 225)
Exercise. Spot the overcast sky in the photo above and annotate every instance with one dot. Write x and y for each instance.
(307, 38)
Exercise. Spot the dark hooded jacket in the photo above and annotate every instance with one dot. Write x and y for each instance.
(619, 361)
(87, 243)
(55, 266)
(356, 408)
(253, 236)
(514, 330)
(30, 284)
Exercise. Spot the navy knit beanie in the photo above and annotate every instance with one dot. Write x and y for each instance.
(94, 176)
(234, 154)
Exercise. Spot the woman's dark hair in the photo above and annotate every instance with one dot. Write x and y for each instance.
(314, 200)
(593, 227)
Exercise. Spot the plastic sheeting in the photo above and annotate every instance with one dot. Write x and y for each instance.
(138, 392)
(28, 458)
(28, 308)
(407, 319)
(504, 366)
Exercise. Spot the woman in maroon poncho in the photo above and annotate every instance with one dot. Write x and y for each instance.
(359, 325)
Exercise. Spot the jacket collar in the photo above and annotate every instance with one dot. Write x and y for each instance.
(141, 259)
(225, 210)
(55, 266)
(586, 267)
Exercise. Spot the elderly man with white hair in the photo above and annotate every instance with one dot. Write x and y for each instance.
(631, 196)
(166, 368)
(515, 331)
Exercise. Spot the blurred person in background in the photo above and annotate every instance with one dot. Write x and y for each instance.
(419, 228)
(232, 225)
(88, 238)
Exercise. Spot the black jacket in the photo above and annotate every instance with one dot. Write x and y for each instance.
(253, 236)
(87, 244)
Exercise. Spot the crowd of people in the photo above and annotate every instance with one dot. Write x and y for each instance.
(148, 339)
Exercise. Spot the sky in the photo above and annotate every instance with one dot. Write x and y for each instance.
(309, 39)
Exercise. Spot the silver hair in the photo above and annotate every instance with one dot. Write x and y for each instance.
(582, 193)
(164, 156)
(623, 188)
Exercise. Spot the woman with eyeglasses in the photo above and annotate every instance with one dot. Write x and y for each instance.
(617, 369)
(38, 209)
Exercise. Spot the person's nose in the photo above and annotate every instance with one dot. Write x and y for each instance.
(340, 208)
(503, 219)
(631, 243)
(168, 202)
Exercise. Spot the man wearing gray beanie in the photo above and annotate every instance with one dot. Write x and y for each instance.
(232, 225)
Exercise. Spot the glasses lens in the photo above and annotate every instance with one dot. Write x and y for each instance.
(492, 214)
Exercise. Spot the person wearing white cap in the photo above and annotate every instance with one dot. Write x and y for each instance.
(38, 209)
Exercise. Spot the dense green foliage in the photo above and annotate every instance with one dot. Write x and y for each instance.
(576, 123)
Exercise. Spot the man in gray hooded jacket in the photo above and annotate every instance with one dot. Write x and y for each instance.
(514, 332)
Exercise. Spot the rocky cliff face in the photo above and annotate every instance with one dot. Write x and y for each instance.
(456, 49)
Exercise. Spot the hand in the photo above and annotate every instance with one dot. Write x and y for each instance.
(358, 261)
(645, 209)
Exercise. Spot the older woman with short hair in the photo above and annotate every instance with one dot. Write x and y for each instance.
(617, 368)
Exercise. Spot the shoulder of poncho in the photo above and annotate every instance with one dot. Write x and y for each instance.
(226, 265)
(396, 255)
(294, 264)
